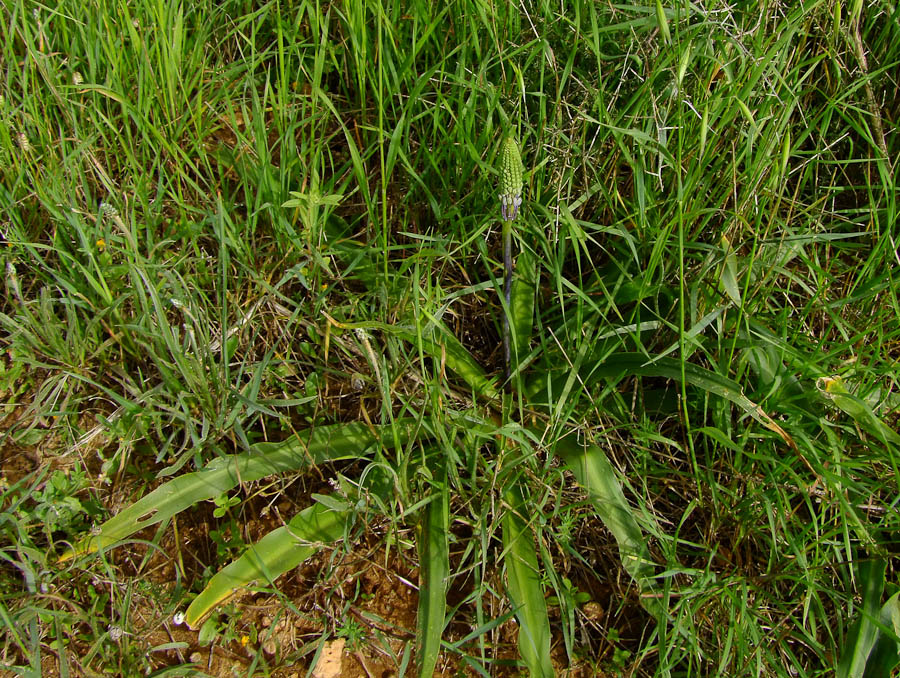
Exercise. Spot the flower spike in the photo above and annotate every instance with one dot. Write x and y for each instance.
(511, 171)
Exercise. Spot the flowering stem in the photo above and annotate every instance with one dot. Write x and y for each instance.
(507, 289)
(511, 171)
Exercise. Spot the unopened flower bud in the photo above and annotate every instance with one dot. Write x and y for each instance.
(511, 171)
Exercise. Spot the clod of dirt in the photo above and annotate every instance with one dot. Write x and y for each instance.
(330, 660)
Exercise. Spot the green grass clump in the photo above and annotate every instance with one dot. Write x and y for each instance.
(253, 247)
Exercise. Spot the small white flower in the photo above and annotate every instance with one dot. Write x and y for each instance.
(178, 618)
(115, 633)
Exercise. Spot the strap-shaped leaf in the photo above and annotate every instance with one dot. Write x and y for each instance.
(434, 559)
(447, 348)
(524, 587)
(325, 443)
(278, 552)
(441, 345)
(885, 654)
(619, 364)
(596, 475)
(521, 309)
(834, 389)
(864, 633)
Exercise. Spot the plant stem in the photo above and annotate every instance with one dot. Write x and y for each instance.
(507, 290)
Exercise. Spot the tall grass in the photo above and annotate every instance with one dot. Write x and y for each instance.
(227, 223)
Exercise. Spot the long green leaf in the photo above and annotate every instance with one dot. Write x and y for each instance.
(637, 364)
(864, 633)
(521, 309)
(279, 551)
(447, 348)
(326, 443)
(441, 346)
(834, 389)
(434, 559)
(524, 587)
(885, 654)
(596, 475)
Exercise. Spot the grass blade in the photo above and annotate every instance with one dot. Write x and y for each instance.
(525, 591)
(728, 278)
(278, 552)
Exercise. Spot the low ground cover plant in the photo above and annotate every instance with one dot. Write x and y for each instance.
(585, 317)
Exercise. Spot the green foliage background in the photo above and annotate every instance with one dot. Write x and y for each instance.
(228, 224)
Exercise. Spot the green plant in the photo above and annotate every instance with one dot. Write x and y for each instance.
(57, 508)
(227, 223)
(620, 656)
(354, 632)
(872, 646)
(511, 177)
(330, 518)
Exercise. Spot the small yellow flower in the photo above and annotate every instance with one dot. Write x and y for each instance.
(245, 639)
(101, 244)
